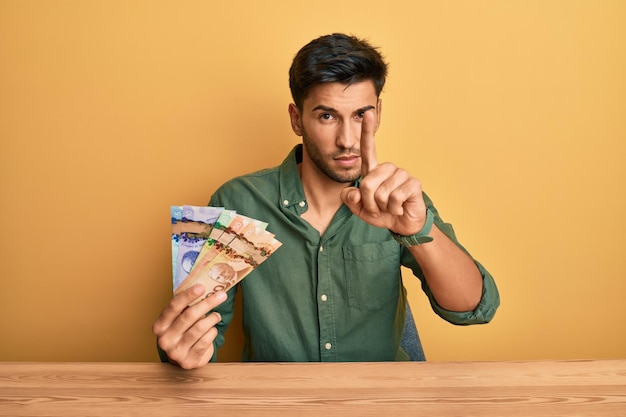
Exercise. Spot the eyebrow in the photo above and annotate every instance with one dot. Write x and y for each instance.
(332, 110)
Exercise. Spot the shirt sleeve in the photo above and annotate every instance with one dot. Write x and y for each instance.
(483, 313)
(490, 300)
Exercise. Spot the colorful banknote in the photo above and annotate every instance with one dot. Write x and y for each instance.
(217, 248)
(191, 226)
(176, 214)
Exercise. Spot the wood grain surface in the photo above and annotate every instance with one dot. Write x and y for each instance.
(535, 388)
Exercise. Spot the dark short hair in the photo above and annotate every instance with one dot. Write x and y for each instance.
(335, 58)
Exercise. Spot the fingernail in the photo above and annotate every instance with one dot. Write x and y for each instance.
(220, 296)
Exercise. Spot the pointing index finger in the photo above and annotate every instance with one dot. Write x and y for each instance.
(368, 145)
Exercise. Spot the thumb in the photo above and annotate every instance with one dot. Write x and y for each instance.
(351, 197)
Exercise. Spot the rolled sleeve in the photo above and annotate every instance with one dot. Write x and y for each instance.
(483, 313)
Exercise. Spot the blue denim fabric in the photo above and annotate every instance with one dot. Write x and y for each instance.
(410, 341)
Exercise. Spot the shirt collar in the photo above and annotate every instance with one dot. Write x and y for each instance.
(291, 190)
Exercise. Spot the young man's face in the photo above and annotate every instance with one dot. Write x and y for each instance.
(330, 126)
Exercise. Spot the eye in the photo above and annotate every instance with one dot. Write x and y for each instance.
(326, 116)
(360, 114)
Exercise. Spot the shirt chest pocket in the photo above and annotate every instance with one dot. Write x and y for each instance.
(372, 274)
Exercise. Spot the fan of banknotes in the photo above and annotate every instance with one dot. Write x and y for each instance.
(216, 247)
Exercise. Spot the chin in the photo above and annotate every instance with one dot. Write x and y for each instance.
(343, 177)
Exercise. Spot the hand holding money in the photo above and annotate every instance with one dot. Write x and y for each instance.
(186, 333)
(212, 250)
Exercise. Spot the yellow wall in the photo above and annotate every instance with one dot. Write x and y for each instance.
(512, 113)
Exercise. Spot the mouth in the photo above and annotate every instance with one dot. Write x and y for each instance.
(347, 160)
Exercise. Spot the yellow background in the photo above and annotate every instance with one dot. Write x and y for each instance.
(512, 113)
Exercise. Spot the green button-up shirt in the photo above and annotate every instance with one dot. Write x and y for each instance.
(335, 297)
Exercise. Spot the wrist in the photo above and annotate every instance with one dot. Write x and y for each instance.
(419, 238)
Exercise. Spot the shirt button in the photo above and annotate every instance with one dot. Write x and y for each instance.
(328, 346)
(302, 204)
(321, 249)
(286, 202)
(324, 297)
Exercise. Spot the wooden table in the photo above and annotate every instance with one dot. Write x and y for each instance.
(537, 388)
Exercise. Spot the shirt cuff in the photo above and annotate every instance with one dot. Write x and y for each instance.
(483, 313)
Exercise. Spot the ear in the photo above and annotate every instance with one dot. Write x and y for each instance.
(296, 119)
(379, 110)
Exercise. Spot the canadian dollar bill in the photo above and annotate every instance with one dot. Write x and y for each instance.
(176, 215)
(191, 226)
(235, 246)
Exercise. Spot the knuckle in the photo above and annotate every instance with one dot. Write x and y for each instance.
(204, 346)
(157, 328)
(201, 348)
(188, 317)
(396, 198)
(366, 187)
(199, 330)
(194, 333)
(383, 192)
(202, 327)
(166, 344)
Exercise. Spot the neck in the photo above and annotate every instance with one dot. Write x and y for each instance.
(322, 195)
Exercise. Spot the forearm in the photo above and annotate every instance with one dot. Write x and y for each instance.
(451, 274)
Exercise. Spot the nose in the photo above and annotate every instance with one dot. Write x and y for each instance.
(348, 134)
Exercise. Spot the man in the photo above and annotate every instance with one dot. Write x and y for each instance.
(333, 291)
